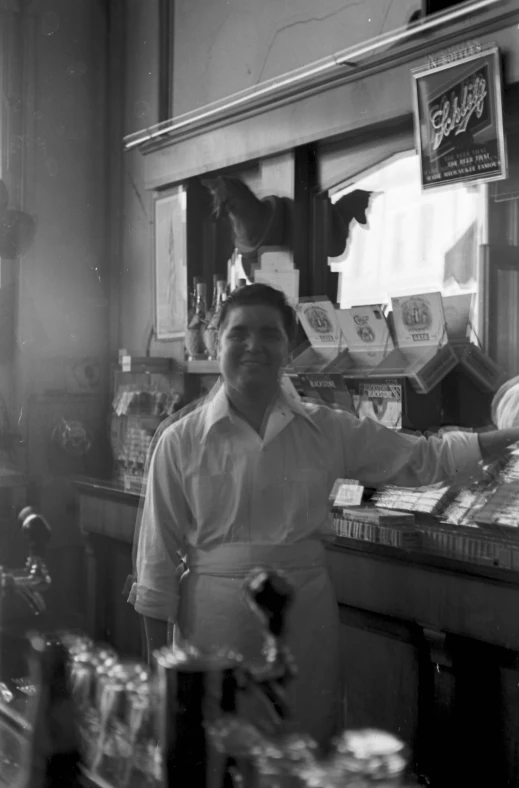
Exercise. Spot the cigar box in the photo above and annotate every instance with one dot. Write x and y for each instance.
(423, 353)
(318, 318)
(367, 337)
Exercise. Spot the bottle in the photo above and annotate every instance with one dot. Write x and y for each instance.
(192, 692)
(213, 304)
(211, 329)
(55, 750)
(192, 298)
(194, 339)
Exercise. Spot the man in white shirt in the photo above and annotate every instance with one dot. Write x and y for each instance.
(243, 481)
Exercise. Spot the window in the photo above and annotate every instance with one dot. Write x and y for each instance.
(415, 241)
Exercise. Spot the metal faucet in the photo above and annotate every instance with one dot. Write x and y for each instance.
(32, 581)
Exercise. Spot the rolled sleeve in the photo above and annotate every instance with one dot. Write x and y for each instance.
(377, 456)
(463, 454)
(164, 522)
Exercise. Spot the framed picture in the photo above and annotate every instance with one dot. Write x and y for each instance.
(170, 258)
(458, 119)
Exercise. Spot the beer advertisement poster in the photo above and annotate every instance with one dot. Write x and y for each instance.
(459, 120)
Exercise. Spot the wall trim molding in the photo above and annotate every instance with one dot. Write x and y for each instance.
(284, 91)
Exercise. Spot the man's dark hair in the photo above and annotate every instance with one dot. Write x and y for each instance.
(261, 295)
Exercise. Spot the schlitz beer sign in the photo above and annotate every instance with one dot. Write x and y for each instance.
(459, 121)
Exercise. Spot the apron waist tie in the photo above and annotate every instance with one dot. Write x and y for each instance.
(237, 559)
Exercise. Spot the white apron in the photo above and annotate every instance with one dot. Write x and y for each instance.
(214, 614)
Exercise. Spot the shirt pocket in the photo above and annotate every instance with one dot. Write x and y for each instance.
(212, 500)
(306, 500)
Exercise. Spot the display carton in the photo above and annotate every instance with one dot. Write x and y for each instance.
(366, 336)
(318, 318)
(424, 354)
(458, 320)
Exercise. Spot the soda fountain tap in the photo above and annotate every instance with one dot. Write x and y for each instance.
(34, 579)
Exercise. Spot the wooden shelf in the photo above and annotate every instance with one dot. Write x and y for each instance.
(203, 367)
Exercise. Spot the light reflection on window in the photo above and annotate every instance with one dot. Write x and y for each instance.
(415, 241)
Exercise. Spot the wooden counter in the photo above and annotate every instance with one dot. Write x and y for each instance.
(107, 516)
(430, 650)
(430, 645)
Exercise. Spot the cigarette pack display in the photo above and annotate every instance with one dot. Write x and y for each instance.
(427, 500)
(465, 506)
(399, 536)
(502, 508)
(469, 544)
(377, 516)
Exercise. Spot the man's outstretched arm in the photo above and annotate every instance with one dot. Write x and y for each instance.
(493, 444)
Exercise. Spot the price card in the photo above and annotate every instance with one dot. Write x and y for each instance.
(346, 492)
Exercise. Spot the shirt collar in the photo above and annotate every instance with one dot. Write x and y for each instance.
(217, 407)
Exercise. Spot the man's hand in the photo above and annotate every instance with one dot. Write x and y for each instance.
(493, 444)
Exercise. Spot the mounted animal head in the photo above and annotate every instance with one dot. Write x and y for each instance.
(255, 223)
(352, 206)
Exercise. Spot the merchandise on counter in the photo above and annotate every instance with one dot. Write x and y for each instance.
(465, 506)
(405, 536)
(427, 500)
(509, 472)
(469, 544)
(345, 492)
(502, 507)
(377, 516)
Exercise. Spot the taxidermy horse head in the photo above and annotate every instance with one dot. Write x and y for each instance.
(352, 206)
(255, 223)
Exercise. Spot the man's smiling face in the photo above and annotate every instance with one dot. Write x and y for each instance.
(254, 347)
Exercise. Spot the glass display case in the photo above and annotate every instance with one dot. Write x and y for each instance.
(144, 392)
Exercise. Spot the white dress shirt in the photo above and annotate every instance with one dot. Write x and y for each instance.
(214, 480)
